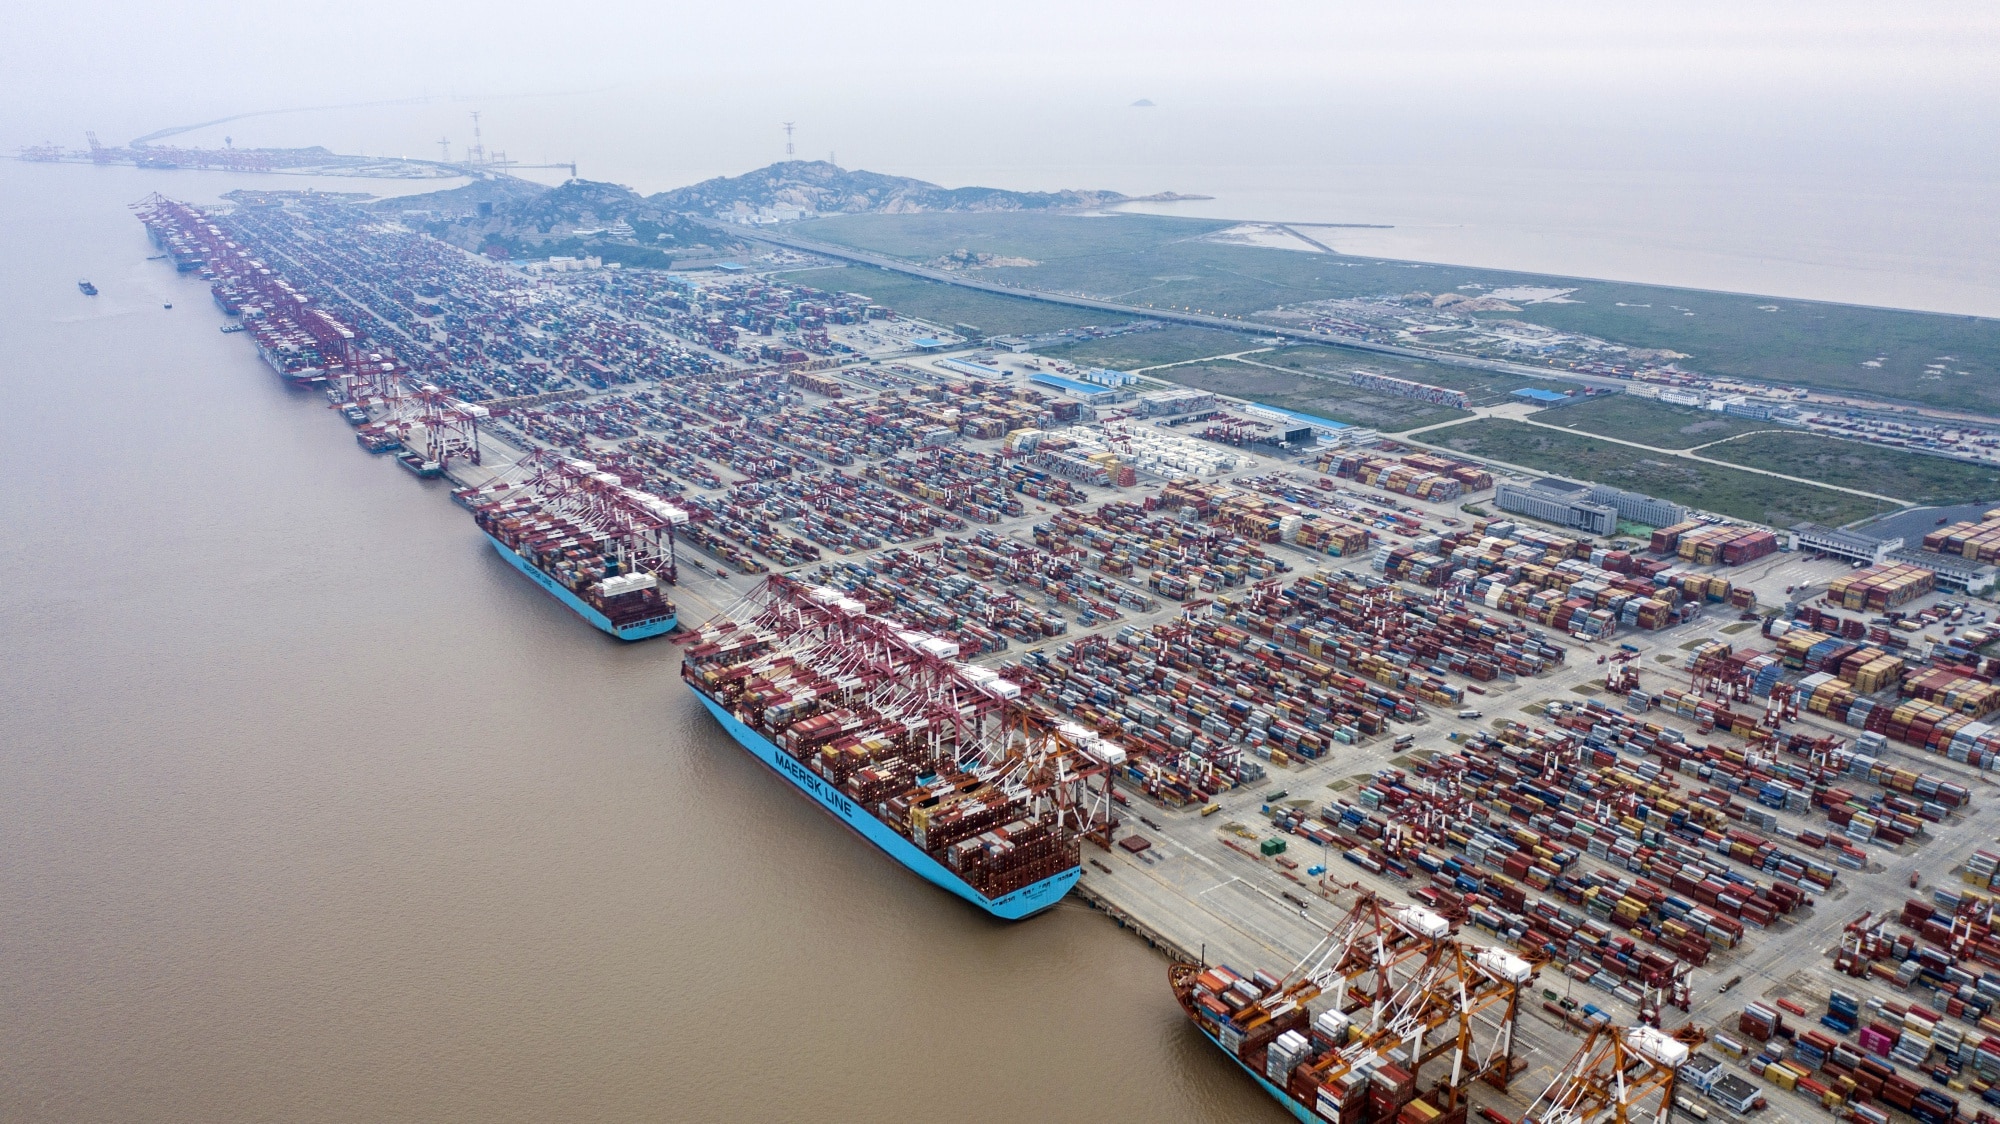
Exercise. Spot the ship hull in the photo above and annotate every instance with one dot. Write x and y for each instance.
(1027, 900)
(1295, 1108)
(577, 604)
(301, 377)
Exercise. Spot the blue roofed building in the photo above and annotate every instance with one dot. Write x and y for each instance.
(1082, 391)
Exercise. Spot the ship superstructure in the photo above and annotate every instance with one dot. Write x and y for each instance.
(943, 765)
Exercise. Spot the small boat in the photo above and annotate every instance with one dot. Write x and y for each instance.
(169, 304)
(424, 469)
(88, 289)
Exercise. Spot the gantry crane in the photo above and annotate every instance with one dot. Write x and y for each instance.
(1620, 1075)
(1395, 979)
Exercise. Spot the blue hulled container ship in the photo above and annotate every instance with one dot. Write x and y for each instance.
(585, 571)
(943, 766)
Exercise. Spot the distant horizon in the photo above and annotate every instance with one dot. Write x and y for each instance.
(1827, 151)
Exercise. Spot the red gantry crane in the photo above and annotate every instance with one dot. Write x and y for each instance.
(1621, 1075)
(638, 526)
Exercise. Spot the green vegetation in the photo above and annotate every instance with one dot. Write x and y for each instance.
(1745, 495)
(1647, 422)
(1801, 342)
(1852, 464)
(1151, 260)
(1482, 388)
(947, 305)
(1147, 349)
(1311, 394)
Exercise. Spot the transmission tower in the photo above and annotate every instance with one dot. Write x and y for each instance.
(788, 140)
(477, 153)
(444, 150)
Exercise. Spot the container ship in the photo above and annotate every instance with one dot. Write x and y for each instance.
(590, 572)
(1346, 1035)
(944, 766)
(300, 341)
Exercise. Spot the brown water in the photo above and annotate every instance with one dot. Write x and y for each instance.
(312, 809)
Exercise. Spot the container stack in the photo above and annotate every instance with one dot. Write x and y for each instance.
(1976, 542)
(1474, 478)
(1723, 544)
(1974, 698)
(1759, 1021)
(1394, 476)
(1881, 588)
(869, 728)
(1666, 540)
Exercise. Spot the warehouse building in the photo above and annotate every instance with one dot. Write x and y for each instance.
(1733, 1093)
(1290, 420)
(1084, 392)
(1562, 502)
(1702, 1071)
(1636, 507)
(1963, 574)
(1851, 545)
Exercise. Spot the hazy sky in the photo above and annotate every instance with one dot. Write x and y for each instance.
(1842, 150)
(131, 65)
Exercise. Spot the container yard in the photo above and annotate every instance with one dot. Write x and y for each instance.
(1431, 812)
(1978, 542)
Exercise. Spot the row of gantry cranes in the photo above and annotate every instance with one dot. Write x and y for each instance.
(1397, 983)
(394, 406)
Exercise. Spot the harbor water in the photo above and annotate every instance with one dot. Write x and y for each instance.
(312, 808)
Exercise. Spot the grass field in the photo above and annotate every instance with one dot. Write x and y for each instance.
(1152, 260)
(948, 305)
(1662, 426)
(1311, 394)
(1483, 388)
(1851, 464)
(1146, 349)
(1727, 491)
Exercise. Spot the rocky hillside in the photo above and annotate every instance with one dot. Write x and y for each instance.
(824, 188)
(509, 217)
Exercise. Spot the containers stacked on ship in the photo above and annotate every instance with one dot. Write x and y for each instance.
(942, 765)
(584, 570)
(601, 548)
(1346, 1035)
(300, 342)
